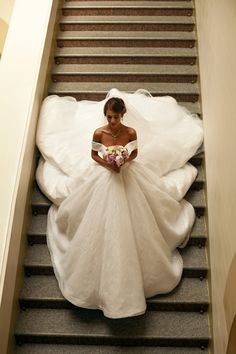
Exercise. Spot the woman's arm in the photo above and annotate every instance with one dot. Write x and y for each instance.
(133, 155)
(132, 137)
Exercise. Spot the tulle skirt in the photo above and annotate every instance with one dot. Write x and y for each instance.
(112, 237)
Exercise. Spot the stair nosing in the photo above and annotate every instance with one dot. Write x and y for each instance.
(152, 35)
(114, 52)
(127, 5)
(124, 69)
(150, 3)
(103, 88)
(129, 19)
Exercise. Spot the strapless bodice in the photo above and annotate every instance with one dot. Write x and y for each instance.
(131, 146)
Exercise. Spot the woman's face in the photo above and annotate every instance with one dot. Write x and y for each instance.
(113, 118)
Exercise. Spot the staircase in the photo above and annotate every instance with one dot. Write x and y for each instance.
(127, 45)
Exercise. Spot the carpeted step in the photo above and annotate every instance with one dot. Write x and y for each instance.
(124, 73)
(197, 199)
(38, 261)
(117, 8)
(127, 23)
(200, 180)
(136, 3)
(190, 295)
(86, 349)
(185, 92)
(197, 159)
(37, 231)
(134, 56)
(88, 38)
(81, 326)
(41, 204)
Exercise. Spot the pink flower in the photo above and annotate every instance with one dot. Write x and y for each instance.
(117, 154)
(119, 160)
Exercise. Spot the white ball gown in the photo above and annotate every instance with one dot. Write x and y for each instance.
(113, 237)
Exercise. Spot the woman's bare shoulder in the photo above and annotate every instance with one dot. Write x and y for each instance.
(97, 135)
(132, 133)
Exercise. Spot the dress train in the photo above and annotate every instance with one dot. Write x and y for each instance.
(113, 237)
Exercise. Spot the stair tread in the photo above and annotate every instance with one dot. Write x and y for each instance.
(114, 51)
(124, 69)
(104, 87)
(125, 35)
(86, 349)
(199, 227)
(127, 19)
(195, 197)
(127, 4)
(190, 290)
(38, 226)
(81, 322)
(194, 108)
(38, 256)
(200, 175)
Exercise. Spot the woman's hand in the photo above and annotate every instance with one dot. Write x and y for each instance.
(104, 163)
(114, 167)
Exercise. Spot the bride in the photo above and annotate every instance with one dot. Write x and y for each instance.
(110, 134)
(118, 217)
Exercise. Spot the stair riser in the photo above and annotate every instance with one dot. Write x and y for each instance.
(43, 209)
(200, 211)
(123, 78)
(63, 304)
(180, 27)
(41, 239)
(196, 160)
(127, 12)
(138, 43)
(182, 307)
(48, 270)
(195, 273)
(126, 60)
(103, 340)
(197, 185)
(38, 270)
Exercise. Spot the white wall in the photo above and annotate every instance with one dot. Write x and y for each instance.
(6, 8)
(23, 69)
(216, 23)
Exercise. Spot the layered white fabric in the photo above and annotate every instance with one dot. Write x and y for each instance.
(113, 237)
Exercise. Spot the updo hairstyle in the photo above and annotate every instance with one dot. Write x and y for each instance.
(116, 105)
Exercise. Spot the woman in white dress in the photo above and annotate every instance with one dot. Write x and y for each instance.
(114, 134)
(118, 217)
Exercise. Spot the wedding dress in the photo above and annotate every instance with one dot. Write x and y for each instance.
(113, 236)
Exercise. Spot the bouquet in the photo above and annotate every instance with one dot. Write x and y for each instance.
(116, 154)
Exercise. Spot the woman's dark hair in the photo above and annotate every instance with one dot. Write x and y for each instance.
(115, 104)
